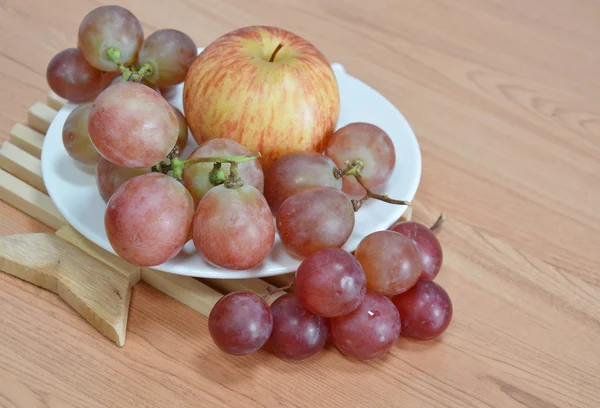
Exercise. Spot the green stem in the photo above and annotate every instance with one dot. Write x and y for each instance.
(234, 180)
(217, 175)
(177, 165)
(353, 169)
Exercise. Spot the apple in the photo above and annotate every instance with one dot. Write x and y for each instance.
(265, 88)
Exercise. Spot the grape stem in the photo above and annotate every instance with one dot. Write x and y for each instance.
(176, 165)
(438, 223)
(353, 169)
(275, 52)
(271, 290)
(129, 74)
(217, 175)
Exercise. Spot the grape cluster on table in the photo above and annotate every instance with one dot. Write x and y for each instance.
(361, 302)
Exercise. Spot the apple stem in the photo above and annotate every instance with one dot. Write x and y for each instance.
(275, 52)
(353, 168)
(438, 223)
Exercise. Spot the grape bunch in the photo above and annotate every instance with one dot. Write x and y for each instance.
(220, 198)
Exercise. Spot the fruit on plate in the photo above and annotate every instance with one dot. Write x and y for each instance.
(369, 144)
(133, 126)
(148, 219)
(110, 176)
(296, 172)
(196, 177)
(264, 87)
(106, 27)
(76, 137)
(233, 227)
(70, 76)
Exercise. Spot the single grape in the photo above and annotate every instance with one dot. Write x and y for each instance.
(195, 177)
(390, 260)
(297, 333)
(330, 283)
(233, 228)
(425, 309)
(106, 27)
(240, 323)
(132, 126)
(110, 176)
(428, 246)
(315, 219)
(370, 330)
(70, 76)
(368, 143)
(170, 54)
(182, 136)
(76, 137)
(148, 219)
(296, 172)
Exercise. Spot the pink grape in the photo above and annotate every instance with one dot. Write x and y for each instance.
(390, 260)
(370, 330)
(132, 126)
(110, 176)
(296, 172)
(428, 246)
(148, 219)
(315, 219)
(425, 309)
(70, 76)
(330, 283)
(182, 136)
(106, 27)
(233, 228)
(195, 177)
(240, 323)
(76, 137)
(368, 143)
(170, 54)
(297, 333)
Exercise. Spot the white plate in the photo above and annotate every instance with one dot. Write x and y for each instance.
(72, 186)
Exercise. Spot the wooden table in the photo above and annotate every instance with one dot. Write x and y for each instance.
(504, 98)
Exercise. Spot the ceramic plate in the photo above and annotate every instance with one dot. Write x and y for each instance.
(72, 186)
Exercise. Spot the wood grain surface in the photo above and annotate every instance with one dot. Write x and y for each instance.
(504, 99)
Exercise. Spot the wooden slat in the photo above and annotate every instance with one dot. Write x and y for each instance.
(97, 292)
(131, 272)
(22, 165)
(54, 101)
(189, 291)
(254, 285)
(29, 200)
(27, 139)
(40, 116)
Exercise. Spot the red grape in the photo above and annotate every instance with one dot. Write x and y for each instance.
(428, 246)
(110, 176)
(425, 309)
(297, 172)
(133, 126)
(390, 260)
(195, 177)
(330, 283)
(76, 137)
(170, 54)
(370, 330)
(70, 76)
(233, 228)
(182, 136)
(297, 333)
(148, 219)
(368, 143)
(106, 27)
(315, 219)
(240, 323)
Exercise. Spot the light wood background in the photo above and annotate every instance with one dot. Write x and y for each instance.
(504, 96)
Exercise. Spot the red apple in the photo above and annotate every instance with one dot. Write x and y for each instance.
(265, 88)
